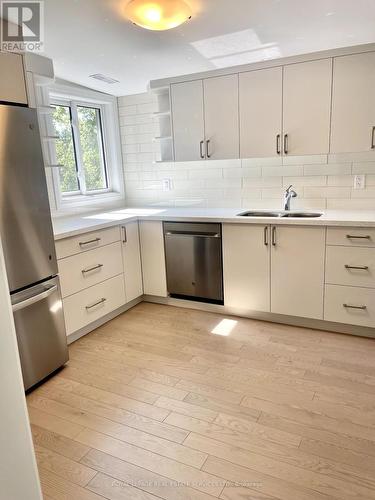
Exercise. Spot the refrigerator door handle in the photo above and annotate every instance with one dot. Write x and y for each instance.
(36, 298)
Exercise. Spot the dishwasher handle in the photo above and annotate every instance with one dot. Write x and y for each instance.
(194, 235)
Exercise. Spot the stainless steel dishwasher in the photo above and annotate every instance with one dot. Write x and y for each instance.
(194, 261)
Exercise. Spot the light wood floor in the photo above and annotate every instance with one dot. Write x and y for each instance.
(154, 405)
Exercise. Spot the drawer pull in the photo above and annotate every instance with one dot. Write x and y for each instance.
(83, 243)
(361, 268)
(353, 237)
(101, 301)
(125, 234)
(274, 242)
(94, 268)
(348, 306)
(266, 236)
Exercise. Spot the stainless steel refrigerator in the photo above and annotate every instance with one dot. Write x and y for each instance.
(28, 244)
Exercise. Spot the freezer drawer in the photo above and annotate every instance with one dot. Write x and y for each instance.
(40, 329)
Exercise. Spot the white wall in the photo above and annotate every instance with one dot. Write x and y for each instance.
(18, 471)
(321, 181)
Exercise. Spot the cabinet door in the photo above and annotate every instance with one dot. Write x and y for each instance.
(260, 112)
(12, 81)
(246, 257)
(153, 258)
(221, 117)
(353, 104)
(188, 124)
(297, 271)
(307, 107)
(131, 256)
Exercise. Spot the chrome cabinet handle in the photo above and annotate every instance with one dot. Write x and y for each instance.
(101, 301)
(373, 138)
(348, 306)
(201, 153)
(208, 149)
(274, 236)
(362, 268)
(83, 243)
(94, 268)
(266, 236)
(286, 145)
(278, 150)
(125, 234)
(353, 237)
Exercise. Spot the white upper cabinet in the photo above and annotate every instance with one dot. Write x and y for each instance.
(353, 105)
(314, 107)
(131, 255)
(307, 107)
(205, 119)
(261, 112)
(12, 81)
(297, 271)
(221, 117)
(246, 262)
(188, 120)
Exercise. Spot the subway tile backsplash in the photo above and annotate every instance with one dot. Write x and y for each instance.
(321, 181)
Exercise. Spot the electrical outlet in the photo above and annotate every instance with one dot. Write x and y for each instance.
(359, 181)
(167, 184)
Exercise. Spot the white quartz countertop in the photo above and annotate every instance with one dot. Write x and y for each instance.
(65, 227)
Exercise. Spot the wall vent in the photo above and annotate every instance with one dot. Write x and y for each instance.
(103, 78)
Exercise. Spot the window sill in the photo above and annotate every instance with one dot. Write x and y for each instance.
(87, 202)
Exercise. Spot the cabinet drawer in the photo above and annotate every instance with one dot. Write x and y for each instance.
(88, 241)
(351, 236)
(350, 266)
(89, 268)
(89, 305)
(351, 305)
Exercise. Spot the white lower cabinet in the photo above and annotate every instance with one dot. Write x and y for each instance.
(297, 271)
(87, 241)
(81, 271)
(350, 276)
(246, 262)
(274, 268)
(153, 258)
(91, 304)
(350, 305)
(131, 255)
(350, 266)
(99, 273)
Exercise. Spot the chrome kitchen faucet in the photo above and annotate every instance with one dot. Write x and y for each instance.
(289, 194)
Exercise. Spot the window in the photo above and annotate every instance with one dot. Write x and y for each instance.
(80, 149)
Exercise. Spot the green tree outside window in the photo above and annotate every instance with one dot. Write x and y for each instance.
(81, 151)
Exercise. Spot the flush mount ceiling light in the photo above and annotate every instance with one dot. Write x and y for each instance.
(158, 15)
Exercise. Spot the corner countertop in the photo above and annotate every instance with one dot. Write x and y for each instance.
(66, 227)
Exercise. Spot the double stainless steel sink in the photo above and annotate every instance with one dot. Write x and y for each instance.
(280, 214)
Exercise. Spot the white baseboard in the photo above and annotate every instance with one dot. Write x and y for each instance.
(314, 324)
(214, 308)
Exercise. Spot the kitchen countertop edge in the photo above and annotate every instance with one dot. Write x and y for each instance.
(66, 227)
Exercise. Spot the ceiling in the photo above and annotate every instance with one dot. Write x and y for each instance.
(84, 37)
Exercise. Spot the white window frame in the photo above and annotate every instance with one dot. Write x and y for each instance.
(73, 96)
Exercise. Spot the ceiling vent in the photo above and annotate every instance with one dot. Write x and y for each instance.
(103, 78)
